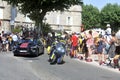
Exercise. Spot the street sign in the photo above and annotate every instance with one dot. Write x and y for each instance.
(12, 22)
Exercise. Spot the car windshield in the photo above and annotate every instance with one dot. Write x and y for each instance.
(30, 40)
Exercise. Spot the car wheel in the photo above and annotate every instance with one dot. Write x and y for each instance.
(37, 52)
(41, 52)
(15, 54)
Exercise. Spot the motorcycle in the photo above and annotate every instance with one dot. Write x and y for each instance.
(57, 53)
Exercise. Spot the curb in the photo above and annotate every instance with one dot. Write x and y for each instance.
(96, 64)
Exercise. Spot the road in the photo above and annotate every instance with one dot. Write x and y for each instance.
(38, 68)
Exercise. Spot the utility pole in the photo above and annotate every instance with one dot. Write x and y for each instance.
(13, 16)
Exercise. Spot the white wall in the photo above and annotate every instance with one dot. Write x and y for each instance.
(1, 13)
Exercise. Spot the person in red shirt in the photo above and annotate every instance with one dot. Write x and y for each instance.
(74, 40)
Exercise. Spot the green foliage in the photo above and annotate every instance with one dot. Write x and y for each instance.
(90, 16)
(111, 14)
(37, 9)
(46, 28)
(17, 29)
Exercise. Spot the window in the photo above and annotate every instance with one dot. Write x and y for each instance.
(69, 21)
(58, 19)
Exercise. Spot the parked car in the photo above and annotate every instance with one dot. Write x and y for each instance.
(29, 46)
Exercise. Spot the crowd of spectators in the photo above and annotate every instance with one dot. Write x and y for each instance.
(8, 40)
(102, 48)
(105, 46)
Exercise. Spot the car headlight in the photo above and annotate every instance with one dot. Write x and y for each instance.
(33, 48)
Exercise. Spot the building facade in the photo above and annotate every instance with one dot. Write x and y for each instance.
(69, 20)
(11, 17)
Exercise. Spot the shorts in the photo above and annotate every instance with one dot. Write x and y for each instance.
(4, 42)
(75, 47)
(100, 49)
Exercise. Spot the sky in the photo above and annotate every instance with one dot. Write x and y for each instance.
(100, 3)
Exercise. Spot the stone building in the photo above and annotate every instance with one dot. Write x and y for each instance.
(4, 18)
(10, 17)
(69, 20)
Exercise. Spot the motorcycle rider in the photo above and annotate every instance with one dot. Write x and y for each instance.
(55, 47)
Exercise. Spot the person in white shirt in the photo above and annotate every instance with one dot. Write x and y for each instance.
(108, 30)
(118, 34)
(108, 34)
(14, 38)
(107, 39)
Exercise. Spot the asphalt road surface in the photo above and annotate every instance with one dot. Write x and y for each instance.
(38, 68)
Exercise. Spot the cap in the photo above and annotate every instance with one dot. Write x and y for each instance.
(108, 25)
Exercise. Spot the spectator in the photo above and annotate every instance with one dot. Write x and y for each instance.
(118, 34)
(7, 43)
(89, 43)
(84, 47)
(112, 48)
(15, 39)
(108, 33)
(118, 42)
(105, 49)
(2, 33)
(74, 40)
(0, 42)
(4, 43)
(0, 38)
(108, 30)
(107, 41)
(80, 44)
(100, 47)
(10, 41)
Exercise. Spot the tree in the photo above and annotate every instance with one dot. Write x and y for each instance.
(46, 29)
(37, 9)
(90, 16)
(111, 14)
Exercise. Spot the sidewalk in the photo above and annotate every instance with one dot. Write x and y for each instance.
(96, 64)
